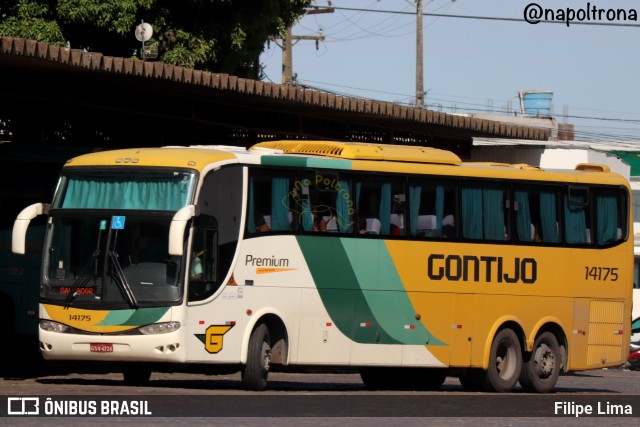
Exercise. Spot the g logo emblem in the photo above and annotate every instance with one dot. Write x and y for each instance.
(213, 337)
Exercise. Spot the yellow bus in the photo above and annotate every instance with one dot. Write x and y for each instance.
(402, 263)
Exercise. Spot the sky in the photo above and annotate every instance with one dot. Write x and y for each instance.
(477, 64)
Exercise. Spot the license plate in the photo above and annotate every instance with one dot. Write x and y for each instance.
(101, 348)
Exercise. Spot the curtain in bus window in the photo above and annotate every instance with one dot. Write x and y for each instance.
(439, 209)
(251, 220)
(549, 217)
(307, 214)
(607, 219)
(385, 208)
(493, 214)
(343, 201)
(523, 216)
(472, 213)
(575, 224)
(279, 203)
(149, 194)
(414, 206)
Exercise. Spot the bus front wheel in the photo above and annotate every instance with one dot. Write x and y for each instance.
(505, 362)
(541, 367)
(256, 372)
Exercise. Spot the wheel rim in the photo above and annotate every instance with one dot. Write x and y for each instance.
(545, 361)
(505, 360)
(266, 356)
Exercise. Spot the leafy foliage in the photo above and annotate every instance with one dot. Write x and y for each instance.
(217, 35)
(30, 19)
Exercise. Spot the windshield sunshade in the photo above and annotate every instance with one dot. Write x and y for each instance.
(149, 190)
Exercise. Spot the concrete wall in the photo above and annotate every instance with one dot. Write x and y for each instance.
(548, 157)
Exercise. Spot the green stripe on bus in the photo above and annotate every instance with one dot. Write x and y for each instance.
(139, 317)
(384, 291)
(340, 292)
(364, 298)
(305, 162)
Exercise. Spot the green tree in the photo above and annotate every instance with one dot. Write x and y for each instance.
(30, 19)
(217, 35)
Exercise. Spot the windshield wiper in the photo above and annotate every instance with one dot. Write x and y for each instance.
(121, 280)
(118, 274)
(83, 278)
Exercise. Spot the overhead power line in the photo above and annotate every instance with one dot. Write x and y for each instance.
(587, 133)
(486, 18)
(600, 134)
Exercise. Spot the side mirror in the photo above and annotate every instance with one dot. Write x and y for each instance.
(176, 230)
(19, 233)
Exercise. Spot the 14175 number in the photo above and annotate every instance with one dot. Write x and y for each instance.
(601, 273)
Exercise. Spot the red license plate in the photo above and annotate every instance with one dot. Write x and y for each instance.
(101, 348)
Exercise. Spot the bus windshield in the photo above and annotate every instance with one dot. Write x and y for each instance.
(110, 259)
(107, 242)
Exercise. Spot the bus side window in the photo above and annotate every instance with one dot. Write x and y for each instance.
(610, 216)
(381, 200)
(431, 206)
(269, 202)
(398, 208)
(259, 192)
(322, 201)
(577, 228)
(483, 212)
(203, 281)
(535, 212)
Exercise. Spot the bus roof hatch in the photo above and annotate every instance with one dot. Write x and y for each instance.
(364, 151)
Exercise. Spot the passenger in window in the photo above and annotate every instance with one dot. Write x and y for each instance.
(536, 233)
(261, 224)
(196, 266)
(395, 230)
(361, 225)
(319, 224)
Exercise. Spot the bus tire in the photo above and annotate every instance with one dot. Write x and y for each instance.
(136, 375)
(541, 367)
(377, 378)
(505, 362)
(256, 372)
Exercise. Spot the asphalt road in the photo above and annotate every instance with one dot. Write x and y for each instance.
(309, 399)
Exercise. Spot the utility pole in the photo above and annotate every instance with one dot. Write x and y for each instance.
(287, 58)
(419, 54)
(287, 54)
(287, 46)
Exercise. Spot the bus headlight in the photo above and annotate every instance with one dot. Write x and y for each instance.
(160, 328)
(51, 326)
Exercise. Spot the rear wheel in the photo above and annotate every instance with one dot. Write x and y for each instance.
(378, 378)
(541, 369)
(505, 362)
(256, 372)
